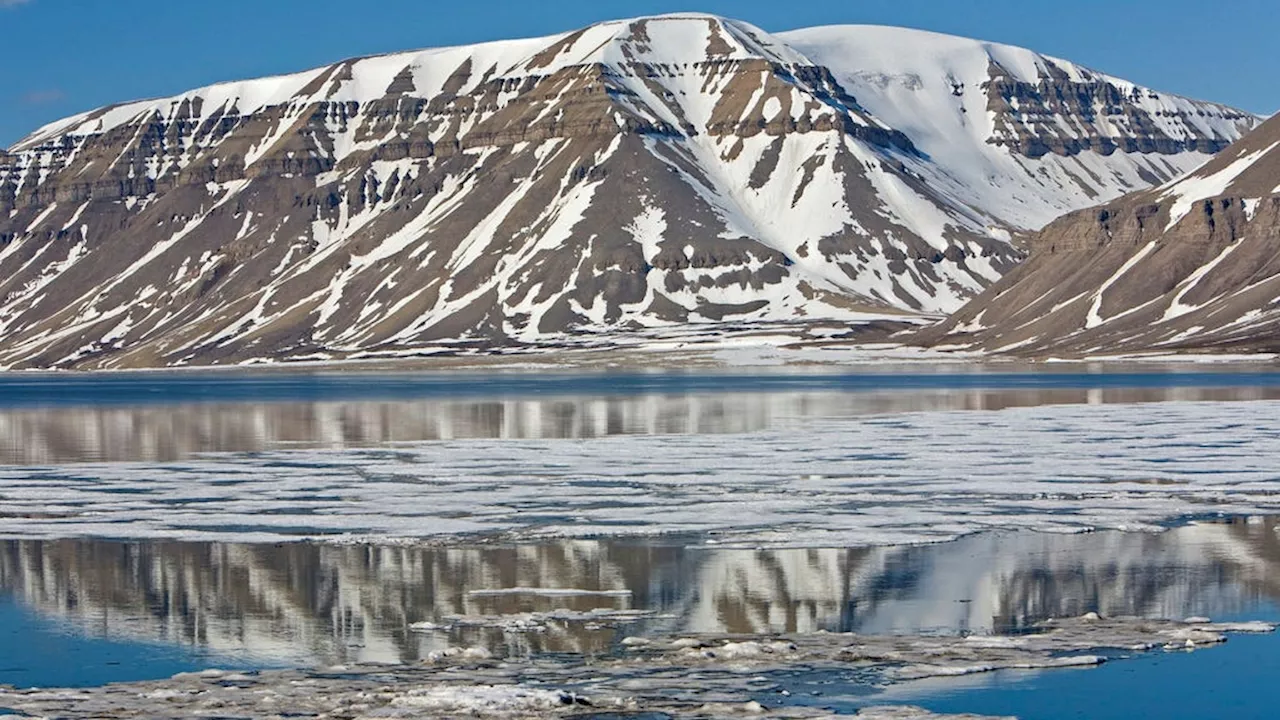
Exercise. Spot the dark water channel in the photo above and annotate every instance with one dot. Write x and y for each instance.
(72, 418)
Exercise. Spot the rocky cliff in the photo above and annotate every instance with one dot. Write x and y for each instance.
(635, 174)
(1193, 265)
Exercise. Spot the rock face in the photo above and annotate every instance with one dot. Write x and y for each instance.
(643, 173)
(1193, 265)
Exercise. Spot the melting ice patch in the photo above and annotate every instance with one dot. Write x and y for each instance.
(664, 680)
(864, 481)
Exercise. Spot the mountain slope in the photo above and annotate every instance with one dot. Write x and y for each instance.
(1024, 136)
(642, 173)
(1191, 265)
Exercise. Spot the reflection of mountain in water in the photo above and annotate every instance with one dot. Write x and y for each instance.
(308, 603)
(172, 432)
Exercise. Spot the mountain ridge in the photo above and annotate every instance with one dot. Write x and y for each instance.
(647, 173)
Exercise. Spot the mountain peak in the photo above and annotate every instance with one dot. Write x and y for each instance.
(672, 39)
(664, 39)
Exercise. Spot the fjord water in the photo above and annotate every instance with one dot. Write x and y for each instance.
(41, 651)
(84, 610)
(306, 604)
(1235, 682)
(54, 418)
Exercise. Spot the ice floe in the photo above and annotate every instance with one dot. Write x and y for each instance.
(664, 679)
(876, 480)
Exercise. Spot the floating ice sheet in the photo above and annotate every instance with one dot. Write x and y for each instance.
(896, 479)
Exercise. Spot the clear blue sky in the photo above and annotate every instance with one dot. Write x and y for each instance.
(66, 56)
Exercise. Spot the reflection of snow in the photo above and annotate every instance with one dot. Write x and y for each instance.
(159, 433)
(302, 603)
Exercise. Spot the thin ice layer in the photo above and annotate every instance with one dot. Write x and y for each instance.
(864, 481)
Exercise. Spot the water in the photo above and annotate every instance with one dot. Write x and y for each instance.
(43, 651)
(248, 460)
(257, 386)
(1236, 682)
(303, 605)
(59, 418)
(818, 480)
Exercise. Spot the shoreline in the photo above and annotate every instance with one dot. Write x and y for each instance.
(684, 354)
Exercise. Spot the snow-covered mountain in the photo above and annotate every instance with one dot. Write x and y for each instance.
(634, 174)
(1021, 136)
(1191, 265)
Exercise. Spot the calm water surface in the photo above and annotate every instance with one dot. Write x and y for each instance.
(71, 418)
(84, 612)
(256, 605)
(1238, 681)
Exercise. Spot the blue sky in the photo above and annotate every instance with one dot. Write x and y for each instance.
(66, 56)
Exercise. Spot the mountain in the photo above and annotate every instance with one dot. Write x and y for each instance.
(1021, 136)
(1191, 265)
(648, 173)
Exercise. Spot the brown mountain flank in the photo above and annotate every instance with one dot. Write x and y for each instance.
(1190, 266)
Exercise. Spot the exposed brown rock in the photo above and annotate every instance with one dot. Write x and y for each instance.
(1028, 114)
(1192, 266)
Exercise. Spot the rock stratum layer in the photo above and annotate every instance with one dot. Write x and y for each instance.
(1193, 265)
(634, 174)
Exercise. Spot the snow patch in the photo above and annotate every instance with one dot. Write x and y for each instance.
(1195, 188)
